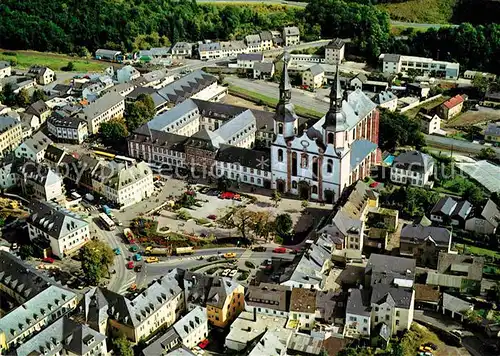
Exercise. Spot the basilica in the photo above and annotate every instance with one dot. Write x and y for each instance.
(314, 160)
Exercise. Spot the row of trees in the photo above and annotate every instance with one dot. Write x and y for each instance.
(397, 130)
(22, 98)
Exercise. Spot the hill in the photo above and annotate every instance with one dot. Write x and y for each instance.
(421, 11)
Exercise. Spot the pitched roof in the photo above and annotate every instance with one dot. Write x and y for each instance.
(336, 43)
(426, 293)
(162, 139)
(266, 295)
(252, 39)
(190, 322)
(250, 57)
(360, 149)
(246, 157)
(125, 175)
(221, 288)
(398, 297)
(413, 160)
(491, 213)
(266, 36)
(389, 57)
(264, 67)
(316, 70)
(235, 45)
(54, 154)
(213, 46)
(305, 344)
(54, 220)
(159, 346)
(161, 121)
(4, 64)
(37, 108)
(493, 128)
(186, 86)
(384, 97)
(386, 269)
(358, 302)
(303, 300)
(452, 102)
(102, 104)
(39, 174)
(451, 263)
(72, 122)
(418, 234)
(38, 142)
(268, 345)
(291, 31)
(7, 122)
(455, 304)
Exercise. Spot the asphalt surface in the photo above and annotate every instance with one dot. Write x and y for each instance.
(457, 145)
(299, 97)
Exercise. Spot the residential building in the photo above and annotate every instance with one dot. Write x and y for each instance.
(291, 36)
(358, 314)
(492, 132)
(43, 75)
(254, 43)
(158, 306)
(33, 148)
(232, 48)
(30, 123)
(423, 243)
(156, 79)
(266, 40)
(225, 301)
(451, 107)
(268, 345)
(33, 316)
(302, 309)
(471, 74)
(67, 128)
(210, 50)
(451, 212)
(40, 110)
(395, 63)
(430, 123)
(11, 135)
(66, 337)
(455, 307)
(65, 231)
(161, 346)
(40, 182)
(125, 184)
(193, 327)
(459, 273)
(267, 299)
(248, 60)
(8, 175)
(107, 54)
(486, 221)
(127, 74)
(107, 107)
(386, 100)
(412, 167)
(313, 77)
(182, 50)
(335, 51)
(264, 70)
(5, 69)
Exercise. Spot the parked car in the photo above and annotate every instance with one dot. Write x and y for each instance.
(233, 273)
(152, 259)
(459, 333)
(227, 195)
(130, 265)
(259, 249)
(230, 255)
(374, 184)
(138, 268)
(212, 217)
(431, 345)
(133, 248)
(279, 250)
(137, 257)
(213, 258)
(117, 251)
(225, 273)
(204, 343)
(48, 260)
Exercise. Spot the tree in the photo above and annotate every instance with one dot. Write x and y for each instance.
(140, 112)
(223, 183)
(7, 95)
(276, 198)
(397, 129)
(23, 98)
(304, 204)
(473, 194)
(480, 83)
(283, 224)
(26, 251)
(69, 67)
(487, 153)
(122, 346)
(114, 130)
(96, 257)
(37, 95)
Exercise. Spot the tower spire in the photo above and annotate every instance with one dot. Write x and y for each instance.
(285, 86)
(285, 118)
(335, 93)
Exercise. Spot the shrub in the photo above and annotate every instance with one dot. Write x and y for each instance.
(183, 215)
(249, 264)
(243, 276)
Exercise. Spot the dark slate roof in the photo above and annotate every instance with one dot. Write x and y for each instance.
(250, 57)
(265, 295)
(264, 67)
(389, 57)
(61, 88)
(205, 140)
(186, 86)
(37, 108)
(385, 268)
(245, 157)
(27, 281)
(219, 291)
(444, 206)
(418, 234)
(199, 286)
(266, 36)
(316, 70)
(158, 138)
(336, 43)
(493, 129)
(358, 302)
(449, 263)
(72, 122)
(218, 110)
(413, 160)
(158, 347)
(134, 94)
(398, 297)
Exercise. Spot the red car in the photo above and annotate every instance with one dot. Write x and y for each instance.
(48, 260)
(212, 217)
(130, 265)
(226, 195)
(203, 344)
(279, 250)
(374, 184)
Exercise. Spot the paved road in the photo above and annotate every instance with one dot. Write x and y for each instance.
(457, 145)
(299, 97)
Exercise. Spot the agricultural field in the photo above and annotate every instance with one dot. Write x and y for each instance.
(421, 11)
(26, 59)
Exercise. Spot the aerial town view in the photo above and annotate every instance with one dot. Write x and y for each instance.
(261, 178)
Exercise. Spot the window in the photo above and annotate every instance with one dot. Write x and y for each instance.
(397, 313)
(387, 317)
(280, 129)
(315, 189)
(330, 137)
(294, 185)
(329, 166)
(280, 155)
(397, 322)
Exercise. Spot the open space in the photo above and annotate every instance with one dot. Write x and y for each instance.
(423, 11)
(474, 117)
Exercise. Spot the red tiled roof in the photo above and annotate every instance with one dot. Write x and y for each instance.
(457, 99)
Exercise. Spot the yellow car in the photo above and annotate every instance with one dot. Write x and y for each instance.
(152, 259)
(230, 255)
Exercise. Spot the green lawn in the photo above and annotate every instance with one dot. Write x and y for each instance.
(25, 59)
(265, 100)
(421, 11)
(479, 251)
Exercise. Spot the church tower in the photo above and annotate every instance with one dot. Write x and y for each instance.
(285, 119)
(335, 118)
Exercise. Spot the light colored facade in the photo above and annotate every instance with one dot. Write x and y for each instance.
(313, 77)
(34, 315)
(226, 300)
(266, 38)
(335, 52)
(40, 182)
(193, 327)
(357, 319)
(5, 69)
(492, 132)
(291, 36)
(386, 100)
(126, 185)
(414, 168)
(11, 135)
(248, 60)
(263, 70)
(254, 43)
(302, 309)
(232, 48)
(8, 177)
(70, 129)
(396, 316)
(107, 107)
(127, 74)
(487, 221)
(182, 49)
(209, 51)
(43, 75)
(33, 148)
(451, 108)
(65, 231)
(395, 63)
(430, 124)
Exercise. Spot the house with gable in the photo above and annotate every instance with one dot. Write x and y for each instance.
(450, 211)
(424, 243)
(486, 221)
(33, 148)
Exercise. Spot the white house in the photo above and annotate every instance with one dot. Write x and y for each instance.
(291, 36)
(386, 100)
(182, 49)
(248, 60)
(5, 69)
(8, 176)
(263, 70)
(11, 134)
(395, 63)
(267, 299)
(209, 51)
(193, 327)
(107, 107)
(313, 77)
(40, 182)
(487, 221)
(254, 43)
(358, 318)
(430, 123)
(335, 51)
(266, 38)
(412, 167)
(66, 231)
(127, 74)
(302, 309)
(43, 75)
(34, 147)
(67, 128)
